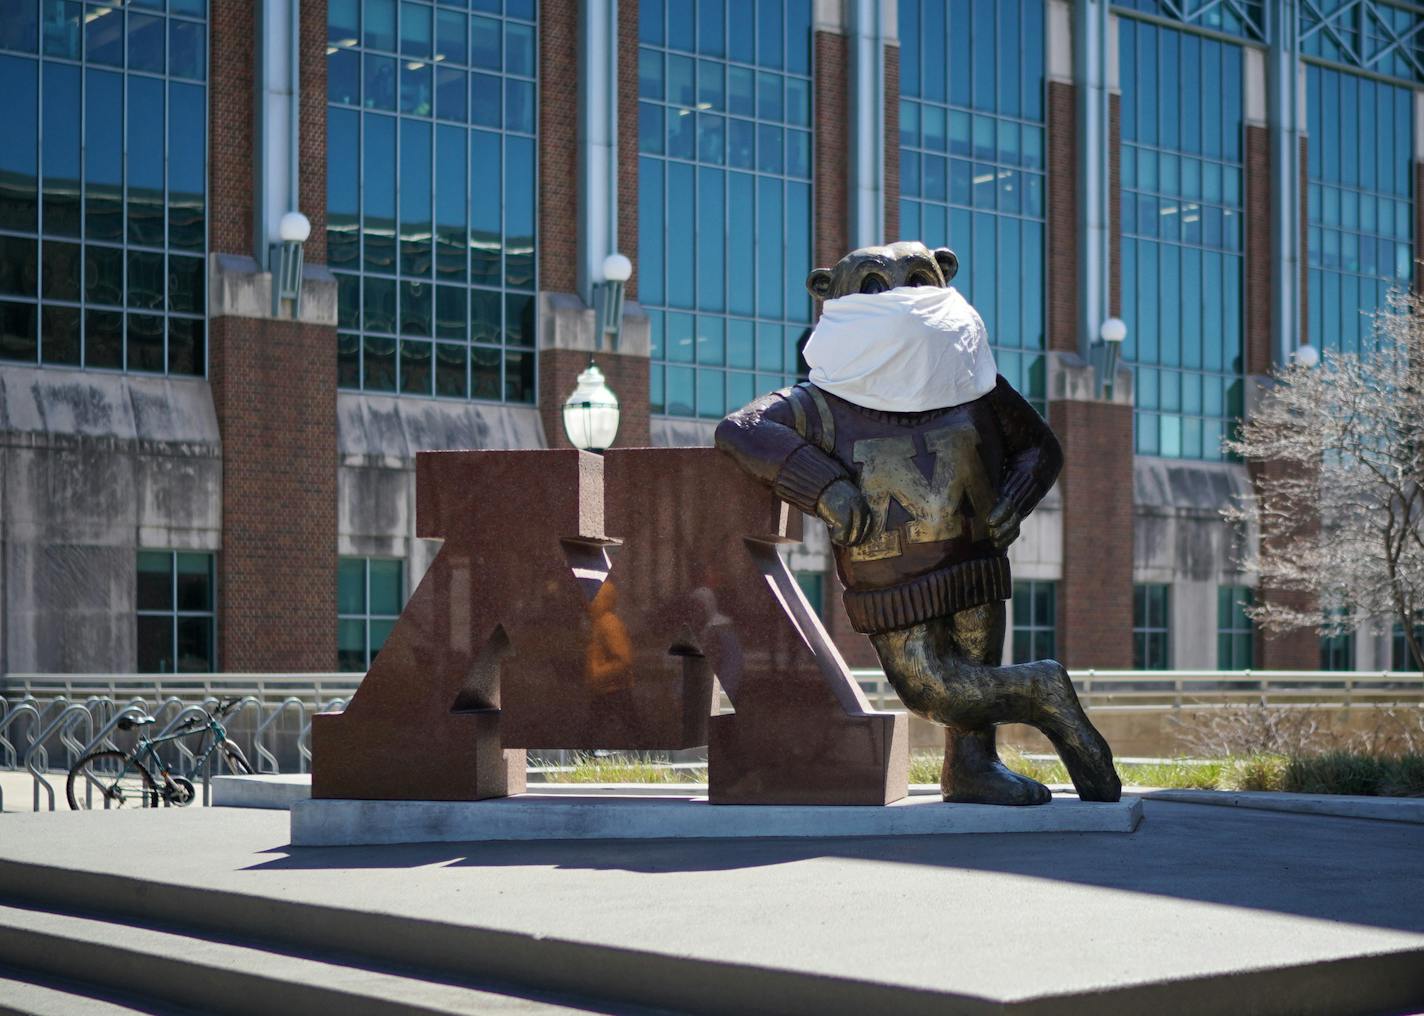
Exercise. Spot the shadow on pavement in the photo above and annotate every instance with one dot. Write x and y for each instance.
(1356, 871)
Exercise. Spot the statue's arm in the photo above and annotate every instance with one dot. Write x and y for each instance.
(763, 439)
(1033, 456)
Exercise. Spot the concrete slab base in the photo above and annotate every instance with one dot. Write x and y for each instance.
(332, 823)
(1381, 809)
(1202, 910)
(274, 790)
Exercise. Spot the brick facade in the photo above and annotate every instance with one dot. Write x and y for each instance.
(273, 386)
(628, 138)
(1062, 254)
(832, 150)
(627, 376)
(1257, 283)
(558, 147)
(892, 146)
(1095, 593)
(277, 567)
(233, 29)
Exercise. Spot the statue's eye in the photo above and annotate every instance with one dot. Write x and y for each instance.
(921, 279)
(874, 283)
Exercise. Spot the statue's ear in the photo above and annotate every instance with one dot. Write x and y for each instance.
(948, 263)
(819, 283)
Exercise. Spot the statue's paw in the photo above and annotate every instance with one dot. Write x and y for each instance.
(1084, 751)
(995, 784)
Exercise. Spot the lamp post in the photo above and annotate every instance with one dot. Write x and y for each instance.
(1111, 334)
(608, 299)
(285, 261)
(591, 412)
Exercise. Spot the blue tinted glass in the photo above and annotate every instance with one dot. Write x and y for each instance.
(145, 163)
(18, 161)
(187, 166)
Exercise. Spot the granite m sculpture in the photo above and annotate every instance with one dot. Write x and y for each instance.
(923, 461)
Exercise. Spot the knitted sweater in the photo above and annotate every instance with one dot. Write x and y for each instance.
(931, 480)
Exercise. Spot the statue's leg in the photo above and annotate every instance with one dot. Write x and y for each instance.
(943, 670)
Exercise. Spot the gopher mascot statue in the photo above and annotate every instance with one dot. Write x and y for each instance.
(923, 461)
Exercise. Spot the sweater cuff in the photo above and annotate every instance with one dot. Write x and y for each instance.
(1023, 490)
(804, 475)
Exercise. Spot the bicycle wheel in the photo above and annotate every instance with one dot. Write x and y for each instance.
(236, 761)
(109, 779)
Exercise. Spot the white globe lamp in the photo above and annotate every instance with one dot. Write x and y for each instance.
(591, 412)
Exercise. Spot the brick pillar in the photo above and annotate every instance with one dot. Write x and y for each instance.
(1258, 251)
(892, 146)
(1095, 593)
(273, 382)
(558, 146)
(1062, 254)
(628, 139)
(832, 150)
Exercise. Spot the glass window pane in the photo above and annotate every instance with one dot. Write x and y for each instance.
(386, 585)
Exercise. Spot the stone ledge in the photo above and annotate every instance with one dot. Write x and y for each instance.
(1381, 809)
(331, 823)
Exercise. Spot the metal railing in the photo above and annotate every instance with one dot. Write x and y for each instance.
(1158, 690)
(49, 721)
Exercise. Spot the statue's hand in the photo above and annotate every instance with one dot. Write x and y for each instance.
(1003, 523)
(843, 507)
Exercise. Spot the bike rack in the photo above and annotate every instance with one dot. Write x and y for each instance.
(102, 738)
(71, 713)
(27, 708)
(261, 755)
(244, 704)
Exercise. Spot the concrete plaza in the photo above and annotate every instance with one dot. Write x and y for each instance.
(1201, 909)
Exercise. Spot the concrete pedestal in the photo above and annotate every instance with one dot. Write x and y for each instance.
(328, 823)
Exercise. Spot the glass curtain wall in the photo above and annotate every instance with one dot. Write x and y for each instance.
(431, 183)
(972, 162)
(103, 228)
(1035, 617)
(1182, 241)
(1235, 633)
(724, 198)
(1361, 230)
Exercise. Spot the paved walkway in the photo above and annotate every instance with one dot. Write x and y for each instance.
(1196, 891)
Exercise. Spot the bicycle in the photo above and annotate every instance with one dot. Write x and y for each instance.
(126, 778)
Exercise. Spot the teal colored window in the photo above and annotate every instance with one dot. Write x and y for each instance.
(1235, 634)
(103, 223)
(972, 163)
(1379, 37)
(724, 198)
(1151, 626)
(176, 617)
(431, 181)
(1035, 621)
(370, 592)
(813, 585)
(1360, 203)
(1181, 220)
(1243, 18)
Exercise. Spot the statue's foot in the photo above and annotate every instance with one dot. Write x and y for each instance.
(994, 783)
(1084, 751)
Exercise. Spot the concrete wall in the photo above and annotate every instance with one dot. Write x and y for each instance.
(93, 467)
(378, 437)
(1181, 539)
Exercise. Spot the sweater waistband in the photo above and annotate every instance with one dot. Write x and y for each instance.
(937, 594)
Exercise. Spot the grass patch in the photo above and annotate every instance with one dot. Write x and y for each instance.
(588, 768)
(1338, 772)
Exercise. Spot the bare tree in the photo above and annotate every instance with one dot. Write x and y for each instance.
(1338, 503)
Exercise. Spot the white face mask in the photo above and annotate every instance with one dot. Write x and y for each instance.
(907, 350)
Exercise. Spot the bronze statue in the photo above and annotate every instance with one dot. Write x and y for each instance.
(923, 462)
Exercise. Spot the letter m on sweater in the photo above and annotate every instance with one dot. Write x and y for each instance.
(889, 473)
